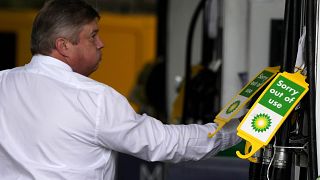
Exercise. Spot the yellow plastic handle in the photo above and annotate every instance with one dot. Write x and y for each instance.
(220, 123)
(254, 148)
(246, 150)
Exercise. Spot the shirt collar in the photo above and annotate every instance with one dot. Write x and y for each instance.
(48, 60)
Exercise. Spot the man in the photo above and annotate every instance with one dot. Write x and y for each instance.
(56, 123)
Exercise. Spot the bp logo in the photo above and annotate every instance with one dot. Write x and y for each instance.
(261, 122)
(233, 107)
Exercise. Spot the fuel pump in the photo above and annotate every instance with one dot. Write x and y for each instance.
(295, 145)
(289, 152)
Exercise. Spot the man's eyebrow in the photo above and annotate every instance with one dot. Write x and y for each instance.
(95, 31)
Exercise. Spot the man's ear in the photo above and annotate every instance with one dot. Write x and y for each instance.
(62, 46)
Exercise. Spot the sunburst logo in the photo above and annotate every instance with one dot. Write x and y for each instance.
(261, 122)
(233, 107)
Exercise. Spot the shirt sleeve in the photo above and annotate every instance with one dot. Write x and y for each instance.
(121, 129)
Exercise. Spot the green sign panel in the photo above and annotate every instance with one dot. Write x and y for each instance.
(256, 83)
(281, 95)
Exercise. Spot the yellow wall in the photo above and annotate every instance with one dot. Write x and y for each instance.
(129, 44)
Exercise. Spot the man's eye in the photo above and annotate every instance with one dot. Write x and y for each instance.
(93, 36)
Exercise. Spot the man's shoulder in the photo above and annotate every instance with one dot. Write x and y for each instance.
(93, 85)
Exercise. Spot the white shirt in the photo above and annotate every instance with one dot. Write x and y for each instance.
(56, 124)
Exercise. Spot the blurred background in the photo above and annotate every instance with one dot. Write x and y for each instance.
(153, 47)
(119, 6)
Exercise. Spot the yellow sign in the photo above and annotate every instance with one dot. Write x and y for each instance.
(271, 109)
(236, 104)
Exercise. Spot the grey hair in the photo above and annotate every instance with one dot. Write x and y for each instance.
(59, 18)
